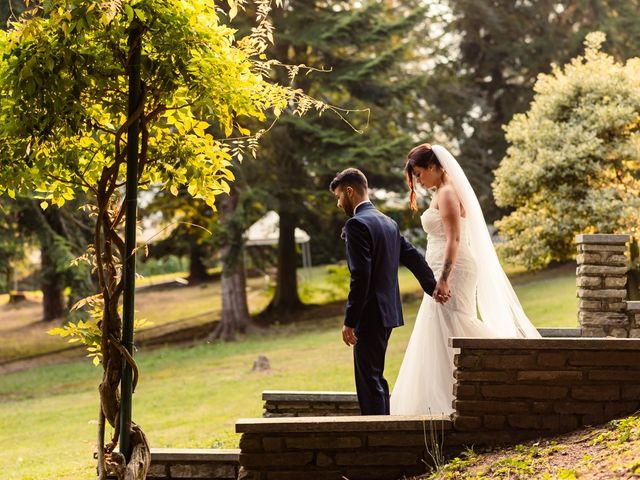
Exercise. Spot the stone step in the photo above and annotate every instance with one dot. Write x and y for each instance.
(359, 447)
(360, 423)
(188, 463)
(279, 403)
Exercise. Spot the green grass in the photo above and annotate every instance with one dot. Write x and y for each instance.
(549, 298)
(191, 396)
(187, 397)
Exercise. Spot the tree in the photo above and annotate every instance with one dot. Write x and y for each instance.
(235, 316)
(490, 58)
(59, 244)
(368, 48)
(63, 117)
(193, 227)
(573, 164)
(238, 211)
(11, 243)
(62, 235)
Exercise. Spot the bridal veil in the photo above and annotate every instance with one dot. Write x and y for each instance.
(498, 304)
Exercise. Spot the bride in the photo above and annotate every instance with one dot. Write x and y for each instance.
(462, 257)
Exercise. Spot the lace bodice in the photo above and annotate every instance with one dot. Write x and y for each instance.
(463, 278)
(433, 226)
(436, 240)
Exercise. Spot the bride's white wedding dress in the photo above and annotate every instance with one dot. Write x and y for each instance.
(425, 382)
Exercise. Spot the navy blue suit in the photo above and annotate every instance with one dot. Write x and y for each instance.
(375, 249)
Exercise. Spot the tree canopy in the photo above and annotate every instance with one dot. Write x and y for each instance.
(573, 164)
(363, 54)
(490, 58)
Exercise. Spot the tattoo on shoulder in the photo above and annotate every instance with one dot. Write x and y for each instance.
(446, 270)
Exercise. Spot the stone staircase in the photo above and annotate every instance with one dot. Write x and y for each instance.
(507, 390)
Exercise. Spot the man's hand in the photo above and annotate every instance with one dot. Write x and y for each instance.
(349, 336)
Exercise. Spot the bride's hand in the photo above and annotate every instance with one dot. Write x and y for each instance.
(442, 292)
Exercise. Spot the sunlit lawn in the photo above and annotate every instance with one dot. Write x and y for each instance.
(191, 396)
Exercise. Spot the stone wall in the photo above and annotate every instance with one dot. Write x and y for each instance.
(334, 448)
(601, 279)
(193, 464)
(633, 310)
(544, 385)
(309, 404)
(507, 390)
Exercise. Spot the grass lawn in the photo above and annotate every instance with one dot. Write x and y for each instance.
(191, 396)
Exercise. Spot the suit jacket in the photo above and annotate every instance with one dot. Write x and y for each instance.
(375, 249)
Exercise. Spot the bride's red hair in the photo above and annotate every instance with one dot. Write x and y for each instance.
(421, 156)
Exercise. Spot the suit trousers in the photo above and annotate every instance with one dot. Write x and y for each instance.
(368, 357)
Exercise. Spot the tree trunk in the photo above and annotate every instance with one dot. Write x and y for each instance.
(53, 275)
(9, 277)
(286, 299)
(197, 268)
(53, 304)
(235, 311)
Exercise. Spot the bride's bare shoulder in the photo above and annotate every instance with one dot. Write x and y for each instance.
(447, 193)
(449, 201)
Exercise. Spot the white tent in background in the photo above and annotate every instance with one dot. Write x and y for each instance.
(265, 232)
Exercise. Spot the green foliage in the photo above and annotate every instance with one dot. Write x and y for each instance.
(566, 474)
(158, 266)
(574, 161)
(331, 288)
(85, 331)
(11, 243)
(622, 431)
(88, 331)
(489, 60)
(64, 95)
(453, 467)
(365, 55)
(338, 277)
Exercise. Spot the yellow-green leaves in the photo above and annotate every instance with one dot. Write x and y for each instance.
(85, 332)
(63, 95)
(233, 9)
(128, 12)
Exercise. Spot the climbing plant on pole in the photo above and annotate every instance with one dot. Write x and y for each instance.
(64, 117)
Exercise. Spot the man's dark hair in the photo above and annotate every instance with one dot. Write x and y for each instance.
(351, 177)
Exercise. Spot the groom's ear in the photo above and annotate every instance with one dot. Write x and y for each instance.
(349, 191)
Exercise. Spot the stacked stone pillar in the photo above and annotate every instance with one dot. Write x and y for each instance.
(601, 281)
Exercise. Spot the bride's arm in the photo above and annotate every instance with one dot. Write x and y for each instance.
(449, 206)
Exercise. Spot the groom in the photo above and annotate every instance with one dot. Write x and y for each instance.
(374, 250)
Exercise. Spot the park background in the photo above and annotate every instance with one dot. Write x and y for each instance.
(399, 73)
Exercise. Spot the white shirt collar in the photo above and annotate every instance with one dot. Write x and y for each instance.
(362, 202)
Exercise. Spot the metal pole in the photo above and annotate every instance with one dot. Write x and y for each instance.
(131, 201)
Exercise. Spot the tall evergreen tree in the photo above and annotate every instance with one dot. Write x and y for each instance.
(368, 48)
(61, 234)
